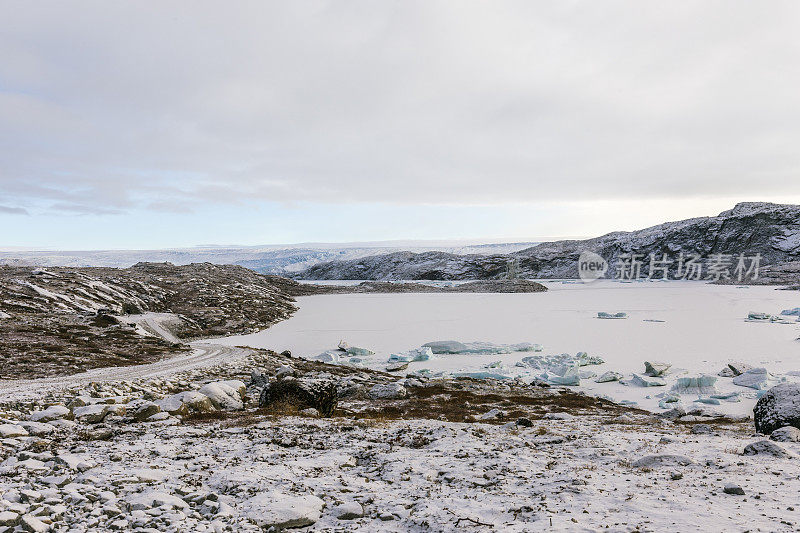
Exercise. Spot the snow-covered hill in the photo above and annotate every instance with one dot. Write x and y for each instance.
(751, 228)
(278, 259)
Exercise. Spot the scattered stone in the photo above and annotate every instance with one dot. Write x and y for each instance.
(225, 394)
(54, 412)
(524, 422)
(348, 511)
(732, 488)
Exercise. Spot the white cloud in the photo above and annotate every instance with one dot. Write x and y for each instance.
(450, 102)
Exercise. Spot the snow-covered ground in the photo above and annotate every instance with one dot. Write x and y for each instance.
(696, 327)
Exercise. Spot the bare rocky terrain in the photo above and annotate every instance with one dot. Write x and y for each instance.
(59, 321)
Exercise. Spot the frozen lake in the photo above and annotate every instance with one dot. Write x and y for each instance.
(703, 328)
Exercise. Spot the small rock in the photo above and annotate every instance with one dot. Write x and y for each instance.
(524, 422)
(388, 391)
(701, 429)
(766, 447)
(348, 511)
(12, 430)
(732, 488)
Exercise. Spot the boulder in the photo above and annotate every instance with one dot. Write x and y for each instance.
(224, 394)
(187, 402)
(388, 391)
(778, 407)
(655, 368)
(734, 369)
(12, 430)
(90, 414)
(54, 412)
(302, 393)
(141, 410)
(785, 434)
(766, 447)
(282, 511)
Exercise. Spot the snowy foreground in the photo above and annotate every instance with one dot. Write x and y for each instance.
(192, 453)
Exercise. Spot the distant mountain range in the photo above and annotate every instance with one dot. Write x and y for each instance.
(750, 228)
(277, 259)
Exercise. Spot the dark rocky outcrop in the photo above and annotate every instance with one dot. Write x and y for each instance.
(771, 230)
(778, 407)
(320, 394)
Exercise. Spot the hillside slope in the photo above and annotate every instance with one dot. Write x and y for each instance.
(771, 230)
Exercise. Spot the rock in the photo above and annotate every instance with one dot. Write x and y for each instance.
(29, 522)
(348, 511)
(396, 367)
(12, 430)
(258, 378)
(675, 475)
(388, 391)
(186, 402)
(778, 407)
(90, 414)
(766, 447)
(224, 395)
(735, 369)
(785, 434)
(524, 422)
(656, 461)
(282, 511)
(655, 368)
(755, 378)
(446, 347)
(702, 384)
(301, 393)
(286, 353)
(9, 518)
(609, 376)
(310, 412)
(143, 410)
(641, 381)
(701, 429)
(38, 429)
(284, 371)
(74, 462)
(492, 414)
(153, 498)
(732, 488)
(54, 412)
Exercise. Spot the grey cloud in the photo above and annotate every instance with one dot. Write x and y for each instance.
(13, 210)
(442, 102)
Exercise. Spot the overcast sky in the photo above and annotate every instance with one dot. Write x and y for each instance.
(130, 124)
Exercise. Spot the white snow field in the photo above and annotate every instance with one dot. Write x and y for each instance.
(696, 327)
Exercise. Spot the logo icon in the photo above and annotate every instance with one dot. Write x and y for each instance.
(591, 266)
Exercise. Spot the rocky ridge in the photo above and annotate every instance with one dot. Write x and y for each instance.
(750, 228)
